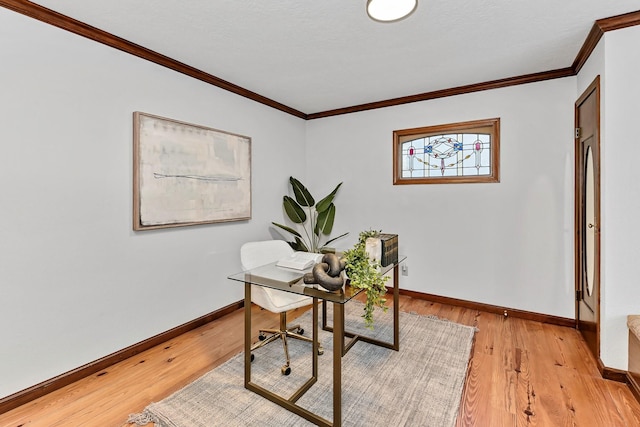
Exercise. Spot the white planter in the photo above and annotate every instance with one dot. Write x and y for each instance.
(373, 248)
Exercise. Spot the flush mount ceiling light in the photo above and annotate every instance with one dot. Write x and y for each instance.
(390, 10)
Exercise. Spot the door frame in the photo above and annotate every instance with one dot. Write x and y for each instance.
(579, 173)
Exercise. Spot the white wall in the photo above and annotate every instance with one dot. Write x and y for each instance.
(621, 193)
(507, 244)
(76, 282)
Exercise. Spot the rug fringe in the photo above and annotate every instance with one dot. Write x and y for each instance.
(142, 419)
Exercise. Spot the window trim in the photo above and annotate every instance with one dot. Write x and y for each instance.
(402, 135)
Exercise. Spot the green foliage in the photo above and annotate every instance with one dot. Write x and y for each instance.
(316, 219)
(364, 273)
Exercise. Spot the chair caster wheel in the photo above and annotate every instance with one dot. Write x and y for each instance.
(262, 337)
(286, 370)
(320, 351)
(300, 331)
(252, 357)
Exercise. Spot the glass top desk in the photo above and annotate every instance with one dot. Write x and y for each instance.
(289, 280)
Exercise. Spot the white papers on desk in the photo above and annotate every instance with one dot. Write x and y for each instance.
(271, 273)
(300, 260)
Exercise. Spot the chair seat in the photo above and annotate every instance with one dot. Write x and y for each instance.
(254, 254)
(277, 301)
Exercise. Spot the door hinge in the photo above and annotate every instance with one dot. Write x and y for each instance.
(579, 295)
(577, 133)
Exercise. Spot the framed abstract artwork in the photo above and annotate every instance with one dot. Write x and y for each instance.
(463, 152)
(185, 174)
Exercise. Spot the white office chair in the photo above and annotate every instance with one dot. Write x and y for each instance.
(255, 254)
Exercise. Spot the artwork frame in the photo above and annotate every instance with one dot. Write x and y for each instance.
(465, 152)
(186, 174)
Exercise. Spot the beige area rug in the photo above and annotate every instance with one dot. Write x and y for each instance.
(421, 385)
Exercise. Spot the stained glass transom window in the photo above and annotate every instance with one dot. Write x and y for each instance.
(459, 152)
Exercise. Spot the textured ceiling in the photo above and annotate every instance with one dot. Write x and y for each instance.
(315, 56)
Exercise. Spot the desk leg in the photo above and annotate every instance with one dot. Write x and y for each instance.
(247, 334)
(396, 307)
(338, 345)
(316, 339)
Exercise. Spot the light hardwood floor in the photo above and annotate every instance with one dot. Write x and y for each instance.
(522, 373)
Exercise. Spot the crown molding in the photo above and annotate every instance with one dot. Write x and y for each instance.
(66, 23)
(600, 27)
(597, 31)
(476, 87)
(80, 28)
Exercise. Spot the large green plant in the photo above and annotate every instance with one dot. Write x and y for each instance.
(315, 219)
(364, 273)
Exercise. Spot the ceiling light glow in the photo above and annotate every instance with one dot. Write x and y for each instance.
(390, 10)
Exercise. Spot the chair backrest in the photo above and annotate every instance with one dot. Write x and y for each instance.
(255, 254)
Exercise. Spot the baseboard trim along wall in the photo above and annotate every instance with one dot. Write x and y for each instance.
(606, 373)
(620, 376)
(39, 390)
(633, 385)
(613, 374)
(27, 395)
(505, 311)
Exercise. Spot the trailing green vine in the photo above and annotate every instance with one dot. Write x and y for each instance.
(364, 273)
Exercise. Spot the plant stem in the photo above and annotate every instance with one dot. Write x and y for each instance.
(316, 238)
(309, 239)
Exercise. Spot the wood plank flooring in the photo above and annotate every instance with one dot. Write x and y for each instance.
(522, 373)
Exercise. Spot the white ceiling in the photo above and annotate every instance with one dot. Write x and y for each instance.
(321, 55)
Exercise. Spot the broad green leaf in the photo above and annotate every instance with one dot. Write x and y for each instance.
(293, 210)
(289, 229)
(302, 194)
(335, 238)
(324, 203)
(299, 245)
(325, 219)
